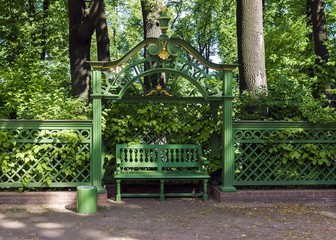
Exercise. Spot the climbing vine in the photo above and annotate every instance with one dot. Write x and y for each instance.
(302, 153)
(60, 160)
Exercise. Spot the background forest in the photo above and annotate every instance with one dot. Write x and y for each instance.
(36, 43)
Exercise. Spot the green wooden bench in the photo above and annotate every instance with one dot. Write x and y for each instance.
(160, 162)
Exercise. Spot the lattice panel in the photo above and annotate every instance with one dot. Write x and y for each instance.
(276, 157)
(46, 158)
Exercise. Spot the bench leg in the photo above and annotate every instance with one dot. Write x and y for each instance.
(118, 195)
(162, 196)
(205, 190)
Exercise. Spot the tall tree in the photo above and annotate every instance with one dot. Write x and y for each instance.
(103, 41)
(319, 25)
(251, 50)
(84, 20)
(318, 22)
(150, 13)
(151, 28)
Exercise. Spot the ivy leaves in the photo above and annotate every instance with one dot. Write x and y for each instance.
(43, 162)
(179, 124)
(301, 153)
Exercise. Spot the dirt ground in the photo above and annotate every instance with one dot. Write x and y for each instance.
(176, 218)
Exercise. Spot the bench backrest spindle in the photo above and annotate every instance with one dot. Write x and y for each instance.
(159, 157)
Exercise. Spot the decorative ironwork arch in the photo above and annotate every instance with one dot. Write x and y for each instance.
(171, 56)
(179, 62)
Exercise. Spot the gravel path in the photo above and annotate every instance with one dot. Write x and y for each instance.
(136, 219)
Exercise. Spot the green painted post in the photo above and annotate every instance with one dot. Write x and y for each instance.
(97, 161)
(228, 147)
(162, 196)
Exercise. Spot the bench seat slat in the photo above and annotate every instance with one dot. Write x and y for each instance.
(142, 165)
(161, 175)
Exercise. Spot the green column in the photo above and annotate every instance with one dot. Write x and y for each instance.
(228, 147)
(97, 161)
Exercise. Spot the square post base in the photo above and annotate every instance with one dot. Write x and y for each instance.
(224, 188)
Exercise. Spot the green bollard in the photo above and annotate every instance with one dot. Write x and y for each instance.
(86, 199)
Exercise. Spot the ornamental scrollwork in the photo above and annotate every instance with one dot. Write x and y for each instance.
(173, 57)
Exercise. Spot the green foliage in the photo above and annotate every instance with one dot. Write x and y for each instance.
(59, 107)
(155, 123)
(33, 52)
(177, 124)
(226, 30)
(126, 28)
(208, 26)
(284, 101)
(43, 163)
(317, 154)
(289, 47)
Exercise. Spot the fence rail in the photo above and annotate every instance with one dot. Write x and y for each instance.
(45, 153)
(284, 153)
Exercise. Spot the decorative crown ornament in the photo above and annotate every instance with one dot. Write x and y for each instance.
(164, 20)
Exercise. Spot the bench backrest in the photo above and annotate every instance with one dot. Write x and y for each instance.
(158, 156)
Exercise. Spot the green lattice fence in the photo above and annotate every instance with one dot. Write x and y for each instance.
(45, 153)
(290, 153)
(57, 153)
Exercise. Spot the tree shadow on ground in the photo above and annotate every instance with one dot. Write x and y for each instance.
(173, 219)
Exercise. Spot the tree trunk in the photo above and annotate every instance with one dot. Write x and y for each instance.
(318, 21)
(46, 4)
(150, 13)
(319, 25)
(251, 49)
(83, 22)
(103, 41)
(39, 38)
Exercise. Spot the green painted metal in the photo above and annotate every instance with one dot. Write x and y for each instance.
(86, 199)
(97, 163)
(254, 164)
(160, 162)
(122, 81)
(164, 19)
(228, 147)
(41, 152)
(257, 163)
(183, 61)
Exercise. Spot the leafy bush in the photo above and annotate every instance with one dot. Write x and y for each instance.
(317, 154)
(284, 101)
(57, 161)
(55, 106)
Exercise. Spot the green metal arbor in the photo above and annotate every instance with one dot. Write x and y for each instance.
(162, 70)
